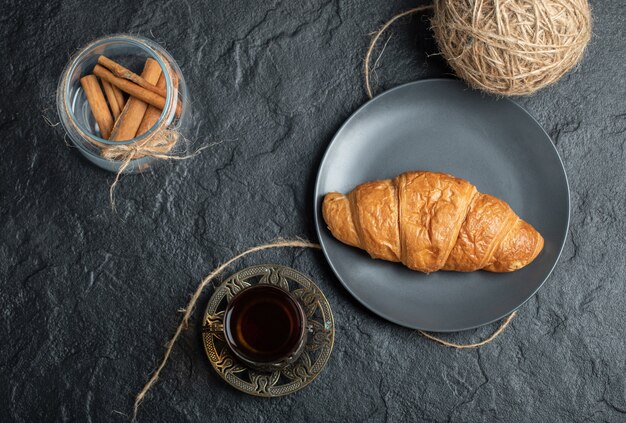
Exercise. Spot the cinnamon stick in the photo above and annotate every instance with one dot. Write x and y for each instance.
(127, 124)
(129, 87)
(119, 96)
(152, 114)
(98, 104)
(113, 104)
(122, 72)
(133, 89)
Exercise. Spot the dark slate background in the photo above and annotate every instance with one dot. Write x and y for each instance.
(89, 297)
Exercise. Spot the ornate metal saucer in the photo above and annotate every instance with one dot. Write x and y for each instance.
(295, 376)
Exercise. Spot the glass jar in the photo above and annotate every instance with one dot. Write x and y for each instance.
(75, 113)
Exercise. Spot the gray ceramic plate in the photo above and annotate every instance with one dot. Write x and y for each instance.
(441, 125)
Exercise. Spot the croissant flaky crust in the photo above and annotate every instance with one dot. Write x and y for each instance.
(432, 221)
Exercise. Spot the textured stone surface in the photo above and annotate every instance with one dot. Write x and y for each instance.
(88, 298)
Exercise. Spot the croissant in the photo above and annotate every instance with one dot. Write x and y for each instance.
(432, 221)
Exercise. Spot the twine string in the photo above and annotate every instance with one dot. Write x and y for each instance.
(280, 243)
(374, 41)
(157, 147)
(485, 341)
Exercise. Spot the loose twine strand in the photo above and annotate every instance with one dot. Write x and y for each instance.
(493, 336)
(374, 41)
(280, 243)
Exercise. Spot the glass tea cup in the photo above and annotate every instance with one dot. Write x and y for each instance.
(265, 327)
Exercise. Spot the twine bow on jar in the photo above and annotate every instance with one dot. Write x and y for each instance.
(157, 145)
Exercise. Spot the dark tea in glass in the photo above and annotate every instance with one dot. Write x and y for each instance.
(265, 326)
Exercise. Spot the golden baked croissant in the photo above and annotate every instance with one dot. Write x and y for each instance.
(432, 221)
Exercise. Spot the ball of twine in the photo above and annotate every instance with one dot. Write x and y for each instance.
(511, 47)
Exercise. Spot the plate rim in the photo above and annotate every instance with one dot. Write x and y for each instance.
(317, 206)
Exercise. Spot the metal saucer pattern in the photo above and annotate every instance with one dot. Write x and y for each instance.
(293, 377)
